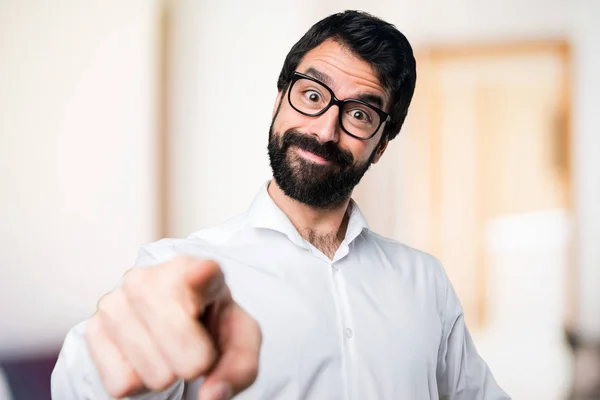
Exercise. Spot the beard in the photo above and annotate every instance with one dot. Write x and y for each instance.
(318, 185)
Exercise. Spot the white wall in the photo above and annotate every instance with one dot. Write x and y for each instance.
(426, 21)
(225, 62)
(77, 130)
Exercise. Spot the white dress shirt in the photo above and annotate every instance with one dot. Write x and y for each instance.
(379, 321)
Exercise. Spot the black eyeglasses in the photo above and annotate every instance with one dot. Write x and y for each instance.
(312, 98)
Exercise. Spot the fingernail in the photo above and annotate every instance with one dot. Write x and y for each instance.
(218, 391)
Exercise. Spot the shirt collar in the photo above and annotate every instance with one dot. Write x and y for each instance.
(356, 223)
(264, 213)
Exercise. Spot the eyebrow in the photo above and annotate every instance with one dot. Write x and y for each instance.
(370, 98)
(374, 99)
(323, 77)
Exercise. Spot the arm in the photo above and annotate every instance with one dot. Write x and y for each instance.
(461, 372)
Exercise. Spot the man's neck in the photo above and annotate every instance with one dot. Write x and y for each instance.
(323, 228)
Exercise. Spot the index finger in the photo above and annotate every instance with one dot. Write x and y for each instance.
(203, 283)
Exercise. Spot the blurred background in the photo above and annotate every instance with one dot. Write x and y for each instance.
(122, 122)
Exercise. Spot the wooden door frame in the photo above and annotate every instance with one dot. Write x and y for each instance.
(434, 54)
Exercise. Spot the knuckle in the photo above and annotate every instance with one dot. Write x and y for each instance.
(192, 307)
(107, 303)
(248, 367)
(162, 380)
(214, 268)
(112, 311)
(255, 329)
(116, 389)
(194, 371)
(184, 260)
(135, 281)
(92, 330)
(193, 262)
(198, 366)
(123, 385)
(259, 333)
(112, 304)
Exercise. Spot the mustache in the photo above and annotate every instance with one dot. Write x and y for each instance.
(329, 151)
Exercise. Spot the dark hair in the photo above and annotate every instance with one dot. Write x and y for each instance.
(373, 40)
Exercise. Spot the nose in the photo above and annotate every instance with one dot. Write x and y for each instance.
(326, 127)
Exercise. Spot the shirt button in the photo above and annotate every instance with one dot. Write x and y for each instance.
(336, 268)
(348, 333)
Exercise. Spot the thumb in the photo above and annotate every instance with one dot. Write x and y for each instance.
(239, 339)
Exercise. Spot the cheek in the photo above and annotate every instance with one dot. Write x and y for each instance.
(286, 118)
(360, 150)
(370, 147)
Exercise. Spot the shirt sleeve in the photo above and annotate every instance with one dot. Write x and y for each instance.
(461, 372)
(75, 376)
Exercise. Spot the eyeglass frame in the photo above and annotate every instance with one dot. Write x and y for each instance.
(383, 116)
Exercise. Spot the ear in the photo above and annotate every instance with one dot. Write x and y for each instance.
(380, 150)
(277, 104)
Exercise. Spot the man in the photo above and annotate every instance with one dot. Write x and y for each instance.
(344, 313)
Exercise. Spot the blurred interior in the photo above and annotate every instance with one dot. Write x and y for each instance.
(122, 122)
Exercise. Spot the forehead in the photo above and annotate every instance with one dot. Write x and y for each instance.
(348, 73)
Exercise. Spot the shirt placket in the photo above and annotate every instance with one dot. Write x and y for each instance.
(345, 325)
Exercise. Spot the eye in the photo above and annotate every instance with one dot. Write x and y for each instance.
(313, 96)
(360, 115)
